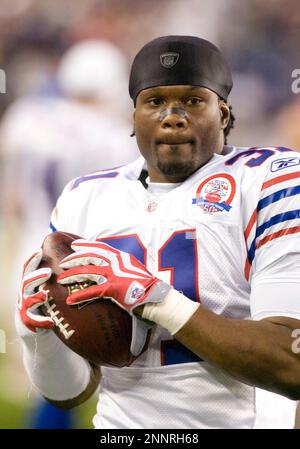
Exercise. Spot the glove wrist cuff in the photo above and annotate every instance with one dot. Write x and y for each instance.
(173, 312)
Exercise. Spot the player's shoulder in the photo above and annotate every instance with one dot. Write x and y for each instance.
(102, 179)
(90, 180)
(261, 160)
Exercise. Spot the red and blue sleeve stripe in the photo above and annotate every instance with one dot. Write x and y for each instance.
(286, 217)
(279, 218)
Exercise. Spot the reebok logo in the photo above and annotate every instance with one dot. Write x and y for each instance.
(285, 162)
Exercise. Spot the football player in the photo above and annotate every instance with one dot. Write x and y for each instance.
(197, 238)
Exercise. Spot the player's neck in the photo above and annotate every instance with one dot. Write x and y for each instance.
(161, 187)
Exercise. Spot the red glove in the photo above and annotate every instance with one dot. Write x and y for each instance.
(117, 275)
(29, 300)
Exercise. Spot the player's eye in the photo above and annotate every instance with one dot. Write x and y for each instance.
(155, 101)
(194, 101)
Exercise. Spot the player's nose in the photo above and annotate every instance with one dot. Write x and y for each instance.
(173, 118)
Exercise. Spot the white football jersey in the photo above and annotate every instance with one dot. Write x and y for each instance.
(227, 237)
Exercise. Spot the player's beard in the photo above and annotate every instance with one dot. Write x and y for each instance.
(184, 167)
(173, 169)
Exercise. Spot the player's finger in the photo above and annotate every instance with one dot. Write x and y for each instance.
(82, 257)
(123, 264)
(34, 279)
(81, 274)
(36, 300)
(128, 264)
(33, 262)
(85, 295)
(89, 245)
(37, 321)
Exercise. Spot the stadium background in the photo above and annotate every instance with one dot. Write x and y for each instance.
(261, 41)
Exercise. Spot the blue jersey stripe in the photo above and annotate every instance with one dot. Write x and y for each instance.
(173, 353)
(285, 216)
(52, 227)
(276, 196)
(89, 178)
(280, 218)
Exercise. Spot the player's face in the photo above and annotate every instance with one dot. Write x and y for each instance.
(178, 128)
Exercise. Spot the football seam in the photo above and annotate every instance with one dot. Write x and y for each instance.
(58, 318)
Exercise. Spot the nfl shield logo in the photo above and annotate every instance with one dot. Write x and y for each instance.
(168, 60)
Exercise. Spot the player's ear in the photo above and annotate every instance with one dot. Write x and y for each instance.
(224, 113)
(133, 131)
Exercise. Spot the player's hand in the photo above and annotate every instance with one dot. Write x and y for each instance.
(30, 299)
(116, 274)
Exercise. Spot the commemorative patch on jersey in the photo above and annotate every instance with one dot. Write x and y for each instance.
(285, 162)
(215, 193)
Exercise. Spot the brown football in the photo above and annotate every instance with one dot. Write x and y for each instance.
(99, 331)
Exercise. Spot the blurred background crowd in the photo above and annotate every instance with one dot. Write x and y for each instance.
(67, 112)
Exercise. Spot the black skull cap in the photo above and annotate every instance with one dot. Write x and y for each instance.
(180, 60)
